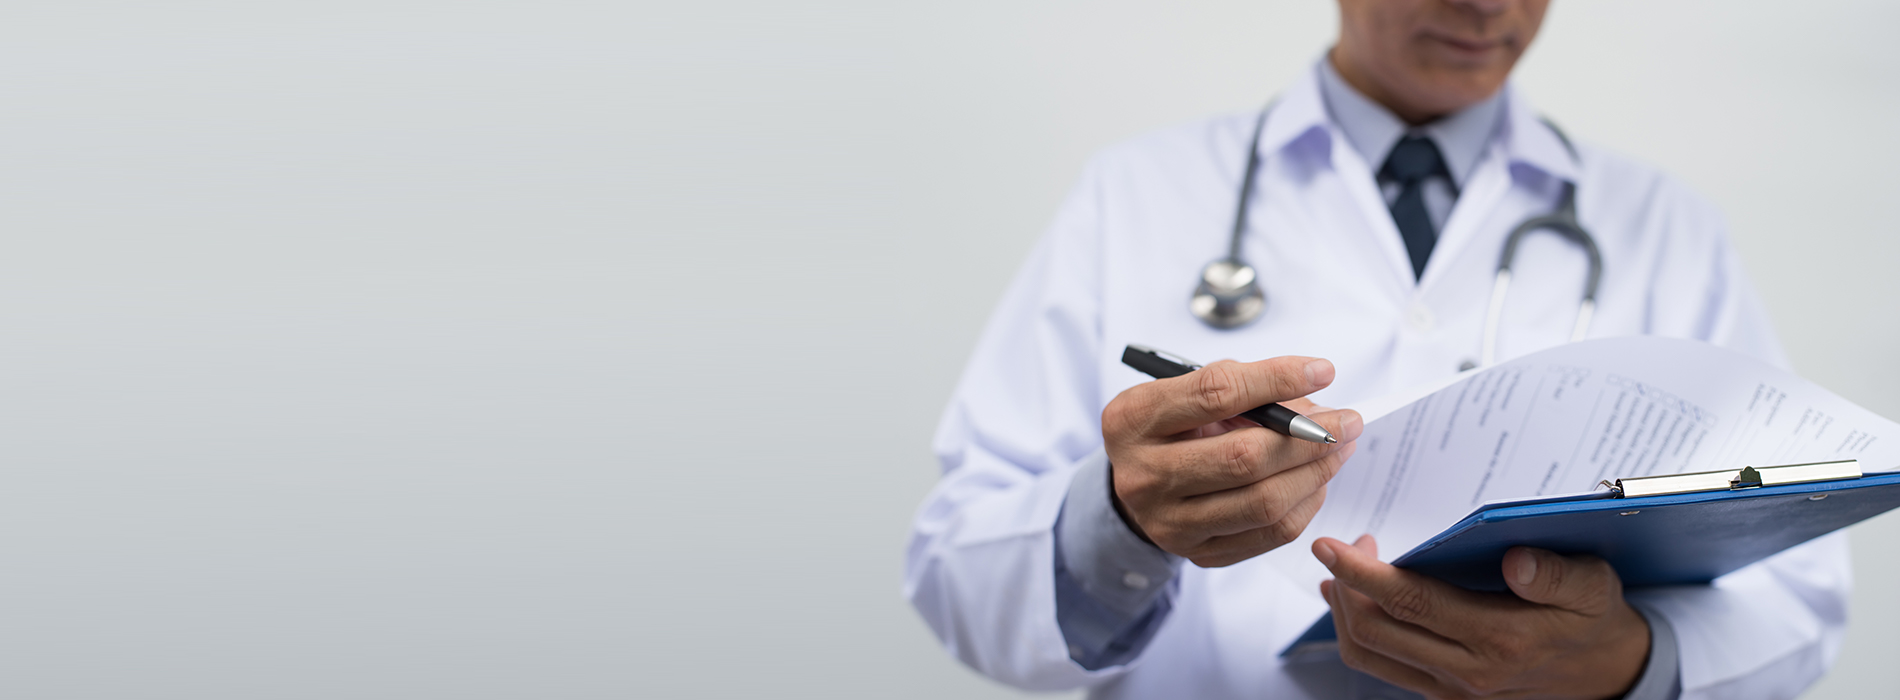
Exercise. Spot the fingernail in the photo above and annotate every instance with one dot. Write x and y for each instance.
(1325, 554)
(1319, 373)
(1526, 569)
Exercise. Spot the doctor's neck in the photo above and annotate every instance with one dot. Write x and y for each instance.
(1424, 59)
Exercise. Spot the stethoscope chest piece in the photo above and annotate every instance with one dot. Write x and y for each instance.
(1229, 295)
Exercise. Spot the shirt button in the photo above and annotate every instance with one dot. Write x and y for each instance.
(1419, 318)
(1135, 580)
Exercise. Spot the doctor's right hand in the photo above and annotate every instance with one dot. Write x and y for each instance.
(1200, 482)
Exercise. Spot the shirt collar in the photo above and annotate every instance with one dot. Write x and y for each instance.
(1302, 111)
(1373, 130)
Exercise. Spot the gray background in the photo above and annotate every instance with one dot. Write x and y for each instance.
(496, 350)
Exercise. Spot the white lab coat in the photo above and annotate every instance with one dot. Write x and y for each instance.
(1118, 265)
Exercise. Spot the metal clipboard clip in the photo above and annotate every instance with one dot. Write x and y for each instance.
(1733, 479)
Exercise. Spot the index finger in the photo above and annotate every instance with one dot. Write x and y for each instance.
(1404, 596)
(1224, 389)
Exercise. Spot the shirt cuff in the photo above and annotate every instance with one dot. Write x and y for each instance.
(1107, 559)
(1662, 675)
(1112, 588)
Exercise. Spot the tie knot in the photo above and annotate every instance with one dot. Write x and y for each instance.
(1414, 159)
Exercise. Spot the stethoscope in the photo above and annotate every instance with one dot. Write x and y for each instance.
(1229, 295)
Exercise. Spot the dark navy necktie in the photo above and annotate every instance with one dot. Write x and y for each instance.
(1411, 162)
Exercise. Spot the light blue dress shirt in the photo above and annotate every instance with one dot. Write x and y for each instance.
(1113, 590)
(1373, 130)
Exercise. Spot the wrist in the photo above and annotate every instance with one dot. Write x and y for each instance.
(1627, 655)
(1121, 510)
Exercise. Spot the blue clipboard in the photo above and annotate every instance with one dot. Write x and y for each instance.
(1660, 540)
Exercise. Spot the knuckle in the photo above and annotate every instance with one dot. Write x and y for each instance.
(1242, 454)
(1554, 578)
(1288, 378)
(1305, 454)
(1266, 509)
(1306, 479)
(1599, 594)
(1217, 387)
(1133, 413)
(1368, 636)
(1264, 539)
(1408, 604)
(1508, 647)
(1287, 530)
(1173, 475)
(1604, 581)
(1168, 536)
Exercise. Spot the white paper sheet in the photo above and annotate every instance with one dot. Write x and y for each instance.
(1562, 420)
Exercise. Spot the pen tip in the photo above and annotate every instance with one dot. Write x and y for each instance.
(1331, 440)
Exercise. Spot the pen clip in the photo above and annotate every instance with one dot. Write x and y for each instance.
(1165, 355)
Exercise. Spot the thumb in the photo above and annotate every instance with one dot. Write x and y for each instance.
(1582, 584)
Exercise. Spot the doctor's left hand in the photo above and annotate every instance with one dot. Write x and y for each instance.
(1566, 633)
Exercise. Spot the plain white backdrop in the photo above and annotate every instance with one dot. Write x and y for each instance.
(583, 350)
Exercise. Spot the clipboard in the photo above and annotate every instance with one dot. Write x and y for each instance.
(1655, 531)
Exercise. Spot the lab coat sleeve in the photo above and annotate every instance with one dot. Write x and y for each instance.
(980, 566)
(1771, 629)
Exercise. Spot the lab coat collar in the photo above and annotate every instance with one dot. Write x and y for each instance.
(1296, 113)
(1527, 140)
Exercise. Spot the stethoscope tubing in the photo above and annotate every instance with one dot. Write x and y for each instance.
(1231, 305)
(1564, 222)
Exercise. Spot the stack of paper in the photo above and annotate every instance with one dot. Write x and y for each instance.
(1562, 420)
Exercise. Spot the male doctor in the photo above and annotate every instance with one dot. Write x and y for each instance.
(1096, 530)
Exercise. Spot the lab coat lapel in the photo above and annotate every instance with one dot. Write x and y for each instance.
(1475, 206)
(1382, 233)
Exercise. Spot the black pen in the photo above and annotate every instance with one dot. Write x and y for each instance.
(1276, 417)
